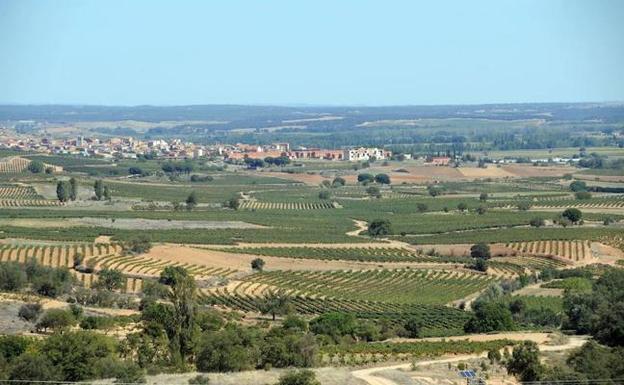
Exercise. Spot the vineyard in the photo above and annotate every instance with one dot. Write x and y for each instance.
(13, 165)
(23, 196)
(437, 320)
(368, 353)
(360, 254)
(256, 205)
(401, 286)
(574, 251)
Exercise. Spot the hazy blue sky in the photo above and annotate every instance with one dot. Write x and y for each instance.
(310, 52)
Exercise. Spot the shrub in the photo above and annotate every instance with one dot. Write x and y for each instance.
(324, 195)
(483, 197)
(382, 179)
(379, 227)
(36, 167)
(298, 377)
(583, 195)
(56, 319)
(481, 210)
(12, 276)
(578, 185)
(365, 178)
(30, 311)
(572, 214)
(537, 222)
(480, 250)
(523, 206)
(258, 264)
(200, 379)
(373, 191)
(461, 206)
(339, 181)
(421, 207)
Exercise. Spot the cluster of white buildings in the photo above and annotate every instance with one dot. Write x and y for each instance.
(131, 148)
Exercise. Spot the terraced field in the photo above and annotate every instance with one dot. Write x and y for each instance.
(13, 165)
(55, 255)
(437, 320)
(401, 286)
(573, 251)
(361, 254)
(138, 265)
(18, 192)
(257, 205)
(23, 196)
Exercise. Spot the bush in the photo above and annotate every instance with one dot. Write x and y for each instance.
(56, 319)
(36, 167)
(572, 214)
(461, 206)
(481, 210)
(324, 195)
(199, 380)
(339, 181)
(583, 195)
(480, 264)
(379, 227)
(30, 311)
(578, 185)
(523, 206)
(298, 377)
(373, 191)
(258, 264)
(138, 245)
(12, 276)
(421, 207)
(480, 250)
(382, 179)
(537, 222)
(483, 197)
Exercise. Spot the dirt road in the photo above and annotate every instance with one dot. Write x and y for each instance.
(368, 375)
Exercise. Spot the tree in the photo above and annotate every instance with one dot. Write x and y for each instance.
(523, 206)
(30, 311)
(276, 303)
(434, 191)
(421, 207)
(73, 189)
(110, 279)
(191, 201)
(480, 250)
(138, 245)
(572, 214)
(33, 366)
(339, 181)
(298, 377)
(62, 191)
(98, 188)
(525, 362)
(135, 170)
(413, 326)
(56, 319)
(182, 293)
(365, 178)
(373, 191)
(257, 264)
(233, 203)
(324, 194)
(537, 222)
(489, 317)
(382, 179)
(334, 324)
(582, 195)
(107, 193)
(480, 264)
(578, 185)
(461, 206)
(12, 276)
(379, 227)
(36, 167)
(483, 197)
(78, 354)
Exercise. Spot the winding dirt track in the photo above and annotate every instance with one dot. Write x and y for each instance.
(369, 377)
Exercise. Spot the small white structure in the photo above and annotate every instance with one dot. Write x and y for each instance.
(363, 153)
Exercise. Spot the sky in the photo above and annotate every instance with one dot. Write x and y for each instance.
(310, 52)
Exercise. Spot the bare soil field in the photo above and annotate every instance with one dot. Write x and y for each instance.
(489, 172)
(242, 262)
(527, 170)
